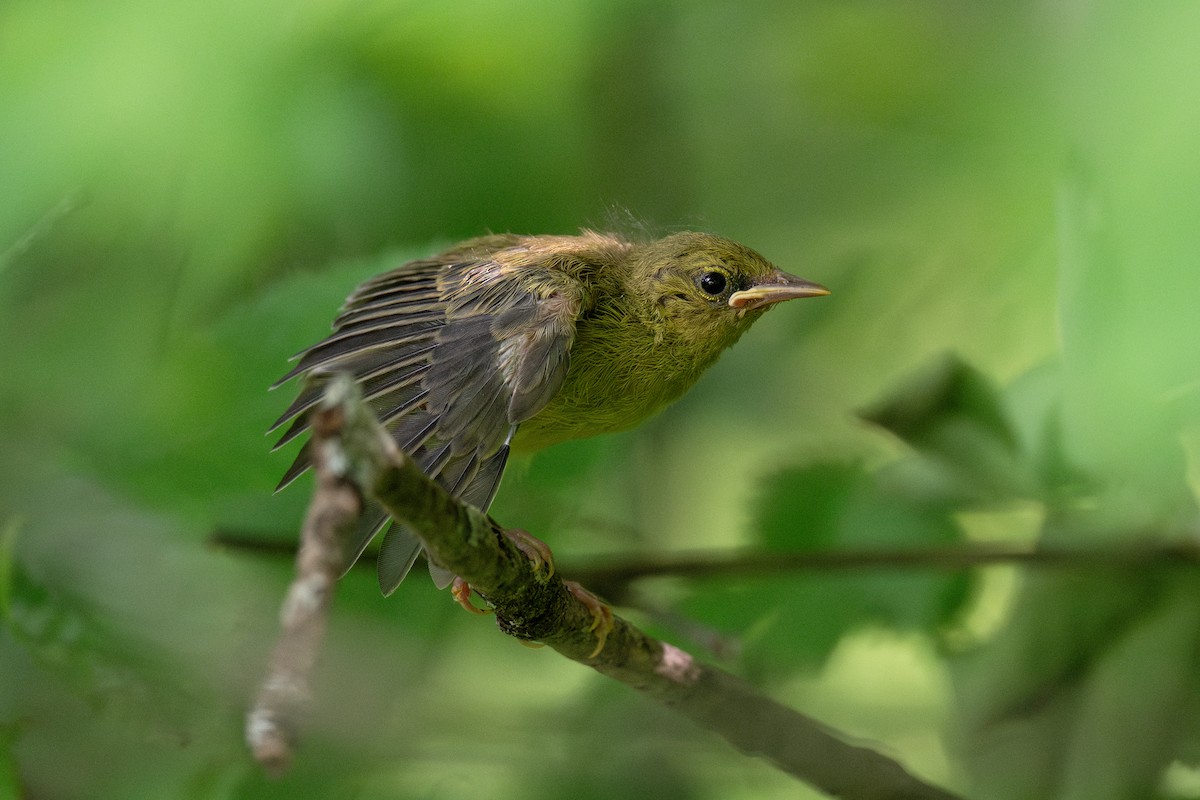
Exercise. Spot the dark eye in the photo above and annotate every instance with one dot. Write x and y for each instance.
(712, 283)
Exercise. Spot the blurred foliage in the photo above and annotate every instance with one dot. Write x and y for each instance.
(828, 506)
(191, 189)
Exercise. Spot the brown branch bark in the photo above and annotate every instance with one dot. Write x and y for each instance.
(531, 603)
(273, 721)
(611, 576)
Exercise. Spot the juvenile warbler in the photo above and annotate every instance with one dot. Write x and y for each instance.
(520, 342)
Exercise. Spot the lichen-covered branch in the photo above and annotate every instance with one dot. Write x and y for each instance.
(532, 603)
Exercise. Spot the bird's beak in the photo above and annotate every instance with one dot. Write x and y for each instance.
(776, 288)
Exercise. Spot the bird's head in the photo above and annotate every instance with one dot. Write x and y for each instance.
(707, 290)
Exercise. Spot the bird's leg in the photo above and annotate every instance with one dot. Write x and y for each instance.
(461, 591)
(539, 553)
(534, 548)
(602, 616)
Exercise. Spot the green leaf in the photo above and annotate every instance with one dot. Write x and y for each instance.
(195, 443)
(952, 414)
(1128, 352)
(1089, 691)
(8, 537)
(796, 622)
(10, 776)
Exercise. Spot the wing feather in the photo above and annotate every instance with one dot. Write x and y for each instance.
(397, 554)
(452, 353)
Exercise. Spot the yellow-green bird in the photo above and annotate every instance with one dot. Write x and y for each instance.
(511, 342)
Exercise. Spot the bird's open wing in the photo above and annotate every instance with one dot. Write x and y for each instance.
(452, 353)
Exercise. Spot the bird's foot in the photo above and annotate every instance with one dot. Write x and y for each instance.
(534, 549)
(602, 616)
(461, 591)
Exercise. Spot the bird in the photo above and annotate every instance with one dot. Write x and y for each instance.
(510, 343)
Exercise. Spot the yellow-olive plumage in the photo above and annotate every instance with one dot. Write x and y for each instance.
(520, 342)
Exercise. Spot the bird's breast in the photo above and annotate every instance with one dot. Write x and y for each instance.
(619, 375)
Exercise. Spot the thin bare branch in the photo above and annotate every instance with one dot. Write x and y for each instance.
(532, 603)
(612, 576)
(272, 722)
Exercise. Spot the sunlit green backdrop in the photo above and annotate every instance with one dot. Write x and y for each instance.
(188, 191)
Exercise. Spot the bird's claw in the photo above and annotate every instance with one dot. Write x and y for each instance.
(461, 591)
(534, 549)
(602, 616)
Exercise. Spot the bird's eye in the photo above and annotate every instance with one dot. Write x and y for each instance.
(712, 283)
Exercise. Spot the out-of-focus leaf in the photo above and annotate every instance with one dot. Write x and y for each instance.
(10, 778)
(1089, 691)
(951, 413)
(104, 668)
(1036, 402)
(196, 441)
(566, 493)
(655, 765)
(1122, 368)
(8, 535)
(1140, 700)
(795, 622)
(805, 507)
(1129, 285)
(897, 152)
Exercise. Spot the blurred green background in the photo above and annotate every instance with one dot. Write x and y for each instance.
(189, 191)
